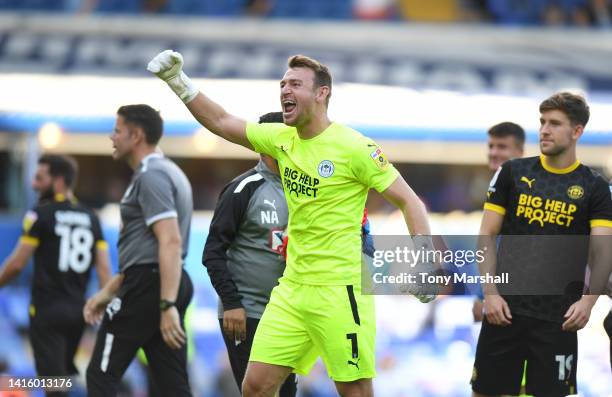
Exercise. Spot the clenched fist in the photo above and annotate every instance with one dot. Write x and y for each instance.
(168, 66)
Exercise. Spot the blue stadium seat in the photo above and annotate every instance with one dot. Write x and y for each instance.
(44, 5)
(206, 7)
(228, 7)
(182, 7)
(516, 12)
(568, 6)
(119, 6)
(336, 9)
(316, 9)
(9, 5)
(285, 9)
(16, 303)
(34, 5)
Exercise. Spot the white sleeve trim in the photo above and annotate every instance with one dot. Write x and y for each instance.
(159, 217)
(245, 181)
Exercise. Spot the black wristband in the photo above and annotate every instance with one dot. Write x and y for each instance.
(165, 304)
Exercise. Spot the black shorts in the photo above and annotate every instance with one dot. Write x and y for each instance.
(551, 355)
(131, 321)
(55, 333)
(239, 358)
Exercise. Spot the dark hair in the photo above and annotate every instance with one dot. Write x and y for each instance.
(62, 166)
(145, 117)
(574, 106)
(508, 128)
(322, 75)
(272, 117)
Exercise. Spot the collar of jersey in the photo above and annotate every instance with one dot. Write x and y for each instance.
(145, 160)
(316, 137)
(554, 170)
(60, 198)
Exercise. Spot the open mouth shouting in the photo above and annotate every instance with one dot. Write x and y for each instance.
(289, 107)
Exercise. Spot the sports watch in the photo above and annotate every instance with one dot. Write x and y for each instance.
(165, 304)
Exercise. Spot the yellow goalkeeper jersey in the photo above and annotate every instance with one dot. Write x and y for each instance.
(326, 181)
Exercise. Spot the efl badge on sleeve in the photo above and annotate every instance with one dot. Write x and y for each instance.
(379, 158)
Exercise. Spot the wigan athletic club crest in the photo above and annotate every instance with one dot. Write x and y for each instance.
(326, 168)
(575, 192)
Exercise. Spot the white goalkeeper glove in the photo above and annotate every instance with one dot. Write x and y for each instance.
(168, 66)
(424, 292)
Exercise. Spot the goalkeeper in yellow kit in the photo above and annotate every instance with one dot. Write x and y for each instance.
(326, 169)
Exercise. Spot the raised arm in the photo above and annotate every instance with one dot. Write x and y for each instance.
(168, 66)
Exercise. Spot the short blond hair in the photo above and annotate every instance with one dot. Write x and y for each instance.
(321, 72)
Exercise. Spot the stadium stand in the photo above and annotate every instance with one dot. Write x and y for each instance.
(504, 12)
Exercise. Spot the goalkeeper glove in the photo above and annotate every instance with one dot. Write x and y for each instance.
(168, 66)
(424, 292)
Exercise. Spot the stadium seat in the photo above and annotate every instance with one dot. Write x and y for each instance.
(119, 6)
(285, 9)
(315, 9)
(174, 7)
(516, 12)
(45, 5)
(33, 5)
(7, 4)
(332, 9)
(429, 11)
(185, 7)
(569, 6)
(225, 8)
